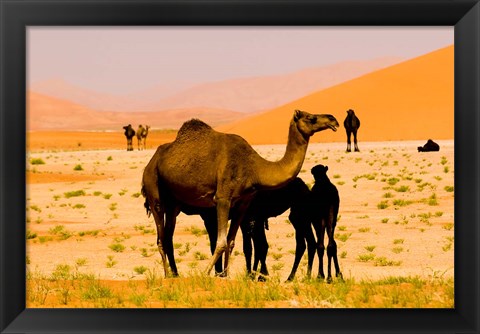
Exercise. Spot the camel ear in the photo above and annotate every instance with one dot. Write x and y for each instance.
(326, 168)
(297, 115)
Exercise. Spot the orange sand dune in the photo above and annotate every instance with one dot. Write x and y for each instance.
(413, 100)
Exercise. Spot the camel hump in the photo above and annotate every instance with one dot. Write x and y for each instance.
(193, 125)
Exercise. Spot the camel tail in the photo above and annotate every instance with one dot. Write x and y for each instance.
(146, 205)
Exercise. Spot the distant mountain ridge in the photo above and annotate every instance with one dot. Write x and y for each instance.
(262, 93)
(250, 94)
(49, 113)
(61, 89)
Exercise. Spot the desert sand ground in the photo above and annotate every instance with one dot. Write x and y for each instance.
(396, 213)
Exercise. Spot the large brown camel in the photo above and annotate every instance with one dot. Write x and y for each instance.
(142, 134)
(206, 168)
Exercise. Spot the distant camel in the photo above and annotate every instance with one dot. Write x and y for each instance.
(142, 134)
(430, 146)
(351, 123)
(206, 168)
(129, 133)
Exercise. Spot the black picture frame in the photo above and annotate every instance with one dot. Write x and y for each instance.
(16, 15)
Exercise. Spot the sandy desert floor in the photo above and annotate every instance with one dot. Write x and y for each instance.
(84, 209)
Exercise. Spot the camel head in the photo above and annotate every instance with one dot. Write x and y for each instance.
(319, 172)
(350, 112)
(308, 123)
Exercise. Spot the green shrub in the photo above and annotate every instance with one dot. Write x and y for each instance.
(117, 247)
(343, 236)
(382, 205)
(432, 200)
(37, 161)
(197, 231)
(61, 232)
(449, 188)
(392, 181)
(366, 257)
(382, 261)
(401, 202)
(140, 269)
(31, 235)
(402, 189)
(75, 193)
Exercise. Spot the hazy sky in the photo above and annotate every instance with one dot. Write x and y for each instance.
(125, 59)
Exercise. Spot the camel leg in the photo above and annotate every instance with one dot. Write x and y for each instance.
(232, 233)
(223, 208)
(332, 253)
(299, 251)
(320, 231)
(158, 215)
(170, 219)
(300, 233)
(156, 206)
(247, 245)
(332, 248)
(311, 248)
(210, 221)
(349, 141)
(261, 247)
(257, 239)
(355, 141)
(237, 219)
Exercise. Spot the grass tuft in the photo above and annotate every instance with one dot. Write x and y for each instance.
(74, 193)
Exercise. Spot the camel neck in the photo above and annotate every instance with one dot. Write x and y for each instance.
(276, 174)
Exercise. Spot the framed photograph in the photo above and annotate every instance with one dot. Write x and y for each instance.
(379, 98)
